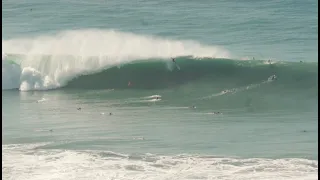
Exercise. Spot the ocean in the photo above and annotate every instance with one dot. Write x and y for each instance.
(90, 90)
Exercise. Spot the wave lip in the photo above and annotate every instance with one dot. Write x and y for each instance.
(50, 61)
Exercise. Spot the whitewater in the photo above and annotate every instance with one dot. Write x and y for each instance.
(111, 165)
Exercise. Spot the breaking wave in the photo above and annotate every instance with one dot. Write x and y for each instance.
(50, 61)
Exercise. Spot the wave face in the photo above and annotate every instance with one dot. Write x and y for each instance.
(212, 72)
(49, 62)
(219, 83)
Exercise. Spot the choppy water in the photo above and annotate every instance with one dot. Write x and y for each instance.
(222, 110)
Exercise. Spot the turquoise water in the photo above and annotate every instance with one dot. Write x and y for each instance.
(239, 102)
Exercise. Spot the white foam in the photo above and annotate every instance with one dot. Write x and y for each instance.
(153, 100)
(49, 61)
(145, 101)
(269, 62)
(41, 100)
(31, 162)
(153, 96)
(3, 56)
(214, 113)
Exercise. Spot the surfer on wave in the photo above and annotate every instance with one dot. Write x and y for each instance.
(174, 61)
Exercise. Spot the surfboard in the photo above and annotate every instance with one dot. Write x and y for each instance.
(178, 67)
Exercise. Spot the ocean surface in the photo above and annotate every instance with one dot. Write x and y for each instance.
(89, 89)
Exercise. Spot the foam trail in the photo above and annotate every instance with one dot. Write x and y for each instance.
(153, 96)
(152, 100)
(235, 90)
(41, 100)
(145, 101)
(50, 61)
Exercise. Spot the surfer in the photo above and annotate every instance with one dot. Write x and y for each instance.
(174, 61)
(79, 108)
